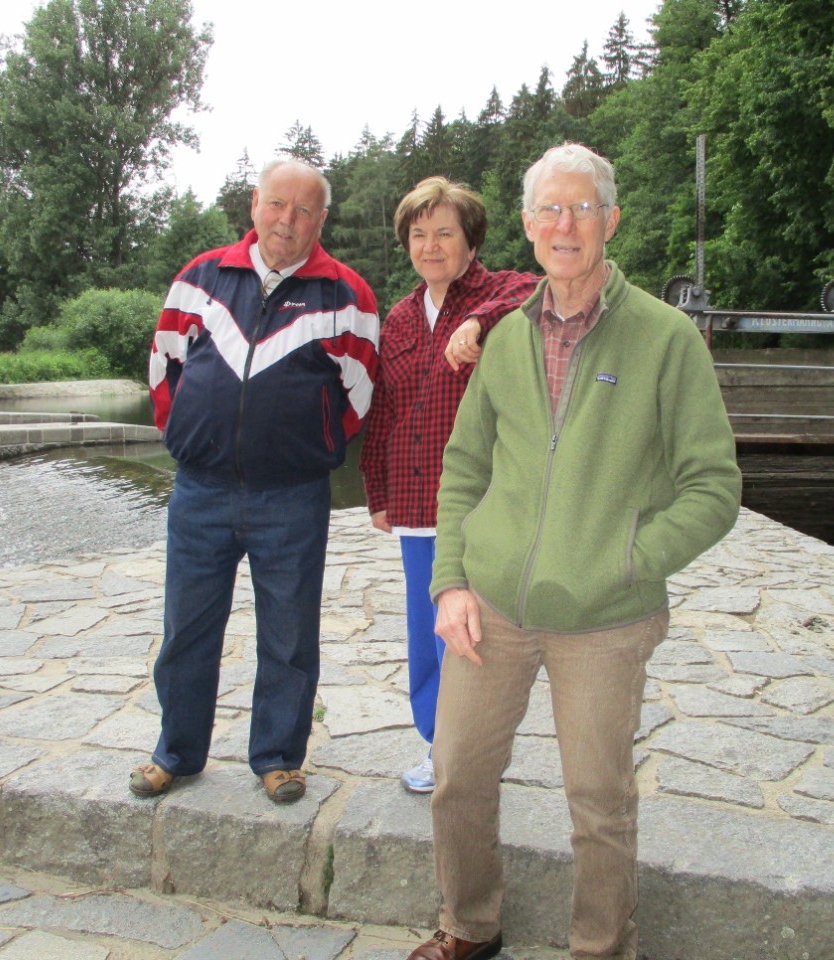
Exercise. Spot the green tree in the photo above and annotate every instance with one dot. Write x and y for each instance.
(645, 129)
(765, 101)
(85, 126)
(619, 54)
(584, 88)
(190, 231)
(362, 233)
(303, 144)
(119, 324)
(235, 197)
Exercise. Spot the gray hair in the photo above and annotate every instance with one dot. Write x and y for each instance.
(571, 158)
(297, 164)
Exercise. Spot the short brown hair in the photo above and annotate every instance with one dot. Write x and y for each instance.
(433, 192)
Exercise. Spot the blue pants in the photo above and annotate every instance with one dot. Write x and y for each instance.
(210, 529)
(425, 648)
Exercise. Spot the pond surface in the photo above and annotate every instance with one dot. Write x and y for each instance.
(57, 504)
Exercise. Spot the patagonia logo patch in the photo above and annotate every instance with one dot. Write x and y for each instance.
(606, 377)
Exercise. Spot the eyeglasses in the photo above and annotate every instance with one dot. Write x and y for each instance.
(551, 212)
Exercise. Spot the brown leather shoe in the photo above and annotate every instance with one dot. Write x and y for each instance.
(443, 946)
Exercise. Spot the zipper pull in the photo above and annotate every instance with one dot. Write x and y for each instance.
(553, 443)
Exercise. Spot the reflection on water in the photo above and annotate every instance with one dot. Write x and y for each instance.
(60, 503)
(795, 490)
(133, 408)
(57, 504)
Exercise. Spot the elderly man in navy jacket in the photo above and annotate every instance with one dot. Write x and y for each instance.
(261, 371)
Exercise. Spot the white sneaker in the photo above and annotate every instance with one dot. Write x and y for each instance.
(419, 779)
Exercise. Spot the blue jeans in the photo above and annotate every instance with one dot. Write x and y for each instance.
(210, 529)
(425, 648)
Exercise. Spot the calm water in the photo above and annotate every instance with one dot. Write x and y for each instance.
(88, 499)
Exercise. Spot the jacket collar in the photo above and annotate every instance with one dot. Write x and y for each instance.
(611, 295)
(319, 263)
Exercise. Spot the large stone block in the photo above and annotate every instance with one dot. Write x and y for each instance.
(220, 836)
(74, 817)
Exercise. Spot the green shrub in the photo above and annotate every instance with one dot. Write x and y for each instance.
(50, 337)
(49, 365)
(120, 324)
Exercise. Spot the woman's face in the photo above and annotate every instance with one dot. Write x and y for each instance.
(438, 248)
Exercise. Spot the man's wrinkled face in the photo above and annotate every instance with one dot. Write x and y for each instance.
(569, 249)
(288, 212)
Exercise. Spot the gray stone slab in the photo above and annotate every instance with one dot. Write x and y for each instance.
(114, 584)
(696, 700)
(322, 941)
(774, 665)
(36, 683)
(814, 601)
(685, 673)
(125, 730)
(56, 589)
(538, 720)
(737, 896)
(9, 893)
(362, 709)
(336, 675)
(113, 914)
(680, 652)
(14, 666)
(73, 816)
(65, 648)
(363, 652)
(123, 625)
(8, 700)
(737, 640)
(13, 756)
(15, 643)
(817, 783)
(652, 716)
(735, 600)
(231, 741)
(379, 753)
(801, 808)
(72, 622)
(11, 615)
(745, 753)
(118, 665)
(383, 862)
(740, 685)
(222, 837)
(236, 940)
(687, 779)
(57, 717)
(535, 762)
(806, 729)
(102, 683)
(46, 946)
(800, 694)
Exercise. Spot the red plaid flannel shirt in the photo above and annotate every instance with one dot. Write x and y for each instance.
(417, 393)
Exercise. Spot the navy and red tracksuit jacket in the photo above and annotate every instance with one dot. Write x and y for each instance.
(263, 391)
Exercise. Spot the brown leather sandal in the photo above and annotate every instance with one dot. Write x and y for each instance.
(149, 780)
(284, 786)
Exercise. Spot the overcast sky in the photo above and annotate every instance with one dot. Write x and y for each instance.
(367, 63)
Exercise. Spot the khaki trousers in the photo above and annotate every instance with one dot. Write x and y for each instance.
(597, 681)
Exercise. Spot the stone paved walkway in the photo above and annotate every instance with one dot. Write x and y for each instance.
(736, 767)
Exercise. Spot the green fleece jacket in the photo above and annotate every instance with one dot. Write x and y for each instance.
(572, 522)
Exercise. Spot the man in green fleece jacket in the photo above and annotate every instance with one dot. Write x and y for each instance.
(591, 458)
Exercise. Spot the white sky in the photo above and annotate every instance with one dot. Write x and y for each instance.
(369, 62)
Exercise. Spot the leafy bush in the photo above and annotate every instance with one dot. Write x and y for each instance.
(50, 365)
(120, 324)
(49, 337)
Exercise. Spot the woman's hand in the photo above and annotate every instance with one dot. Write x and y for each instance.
(463, 344)
(380, 521)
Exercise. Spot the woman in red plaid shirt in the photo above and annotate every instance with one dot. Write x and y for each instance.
(428, 345)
